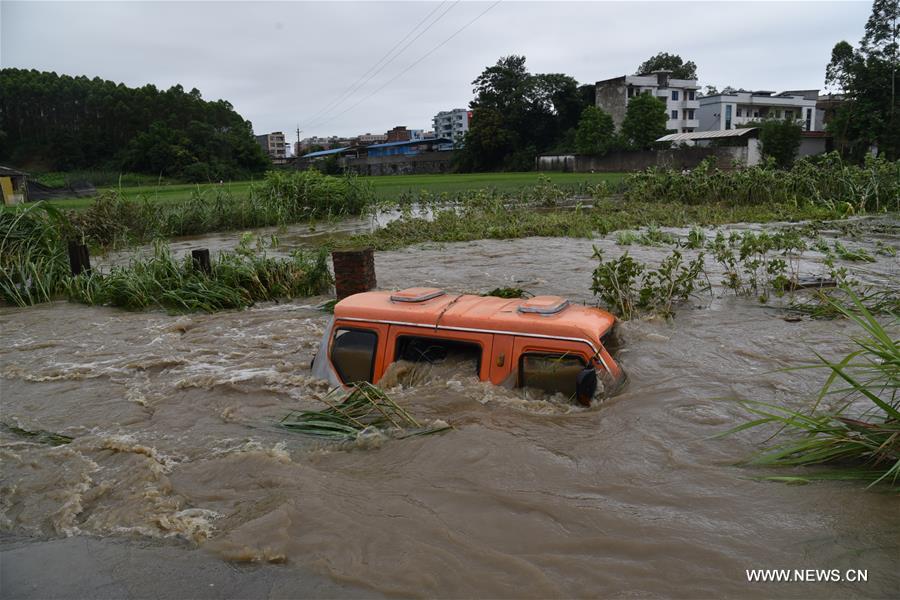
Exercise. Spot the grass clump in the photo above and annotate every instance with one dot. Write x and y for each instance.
(236, 280)
(508, 292)
(860, 436)
(34, 262)
(366, 410)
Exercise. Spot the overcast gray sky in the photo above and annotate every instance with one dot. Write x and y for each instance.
(282, 63)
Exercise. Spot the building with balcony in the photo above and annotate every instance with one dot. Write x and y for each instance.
(740, 108)
(680, 96)
(452, 124)
(274, 145)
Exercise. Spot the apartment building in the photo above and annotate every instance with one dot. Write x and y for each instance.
(741, 107)
(274, 145)
(680, 96)
(367, 139)
(452, 124)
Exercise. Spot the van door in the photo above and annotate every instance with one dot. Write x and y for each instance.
(503, 361)
(356, 351)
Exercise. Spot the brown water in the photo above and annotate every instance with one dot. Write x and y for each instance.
(173, 420)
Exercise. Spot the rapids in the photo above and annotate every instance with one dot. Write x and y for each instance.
(175, 438)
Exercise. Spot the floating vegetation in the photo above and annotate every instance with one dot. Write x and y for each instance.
(39, 436)
(508, 292)
(855, 255)
(861, 436)
(366, 410)
(651, 236)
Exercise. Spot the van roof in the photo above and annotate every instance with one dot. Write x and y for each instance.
(554, 317)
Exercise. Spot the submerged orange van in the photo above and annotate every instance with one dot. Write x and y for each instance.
(542, 342)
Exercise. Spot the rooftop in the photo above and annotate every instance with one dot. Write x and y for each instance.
(478, 312)
(709, 135)
(325, 152)
(413, 142)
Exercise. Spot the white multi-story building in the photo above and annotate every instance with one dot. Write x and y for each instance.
(735, 108)
(452, 124)
(680, 96)
(274, 145)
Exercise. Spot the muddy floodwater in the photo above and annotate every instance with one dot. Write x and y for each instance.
(176, 449)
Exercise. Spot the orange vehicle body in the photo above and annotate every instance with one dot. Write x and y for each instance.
(504, 330)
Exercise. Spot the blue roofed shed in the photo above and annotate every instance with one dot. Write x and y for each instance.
(323, 153)
(409, 148)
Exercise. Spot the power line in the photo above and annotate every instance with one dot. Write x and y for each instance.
(413, 64)
(372, 72)
(386, 54)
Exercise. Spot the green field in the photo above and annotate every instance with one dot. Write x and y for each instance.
(386, 188)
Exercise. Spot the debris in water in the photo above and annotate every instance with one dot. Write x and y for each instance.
(366, 411)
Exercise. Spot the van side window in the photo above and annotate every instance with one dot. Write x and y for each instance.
(437, 350)
(353, 354)
(553, 373)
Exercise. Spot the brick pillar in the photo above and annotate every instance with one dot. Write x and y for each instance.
(354, 271)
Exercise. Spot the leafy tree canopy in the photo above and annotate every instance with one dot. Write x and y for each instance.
(60, 122)
(867, 77)
(596, 132)
(517, 114)
(780, 139)
(669, 62)
(645, 121)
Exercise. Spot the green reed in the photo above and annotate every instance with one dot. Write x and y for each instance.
(858, 436)
(33, 257)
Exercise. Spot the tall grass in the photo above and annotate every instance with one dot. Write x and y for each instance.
(236, 280)
(115, 219)
(33, 257)
(860, 436)
(825, 181)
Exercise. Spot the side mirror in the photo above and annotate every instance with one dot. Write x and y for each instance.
(585, 385)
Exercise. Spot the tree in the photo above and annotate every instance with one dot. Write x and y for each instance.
(61, 122)
(780, 140)
(645, 121)
(867, 77)
(517, 114)
(596, 132)
(669, 62)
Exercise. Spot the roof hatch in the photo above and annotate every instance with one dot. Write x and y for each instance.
(544, 305)
(416, 294)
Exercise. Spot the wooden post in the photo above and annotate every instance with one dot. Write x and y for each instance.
(79, 258)
(354, 271)
(201, 260)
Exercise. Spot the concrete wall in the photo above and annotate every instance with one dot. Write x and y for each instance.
(611, 97)
(678, 158)
(810, 146)
(427, 162)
